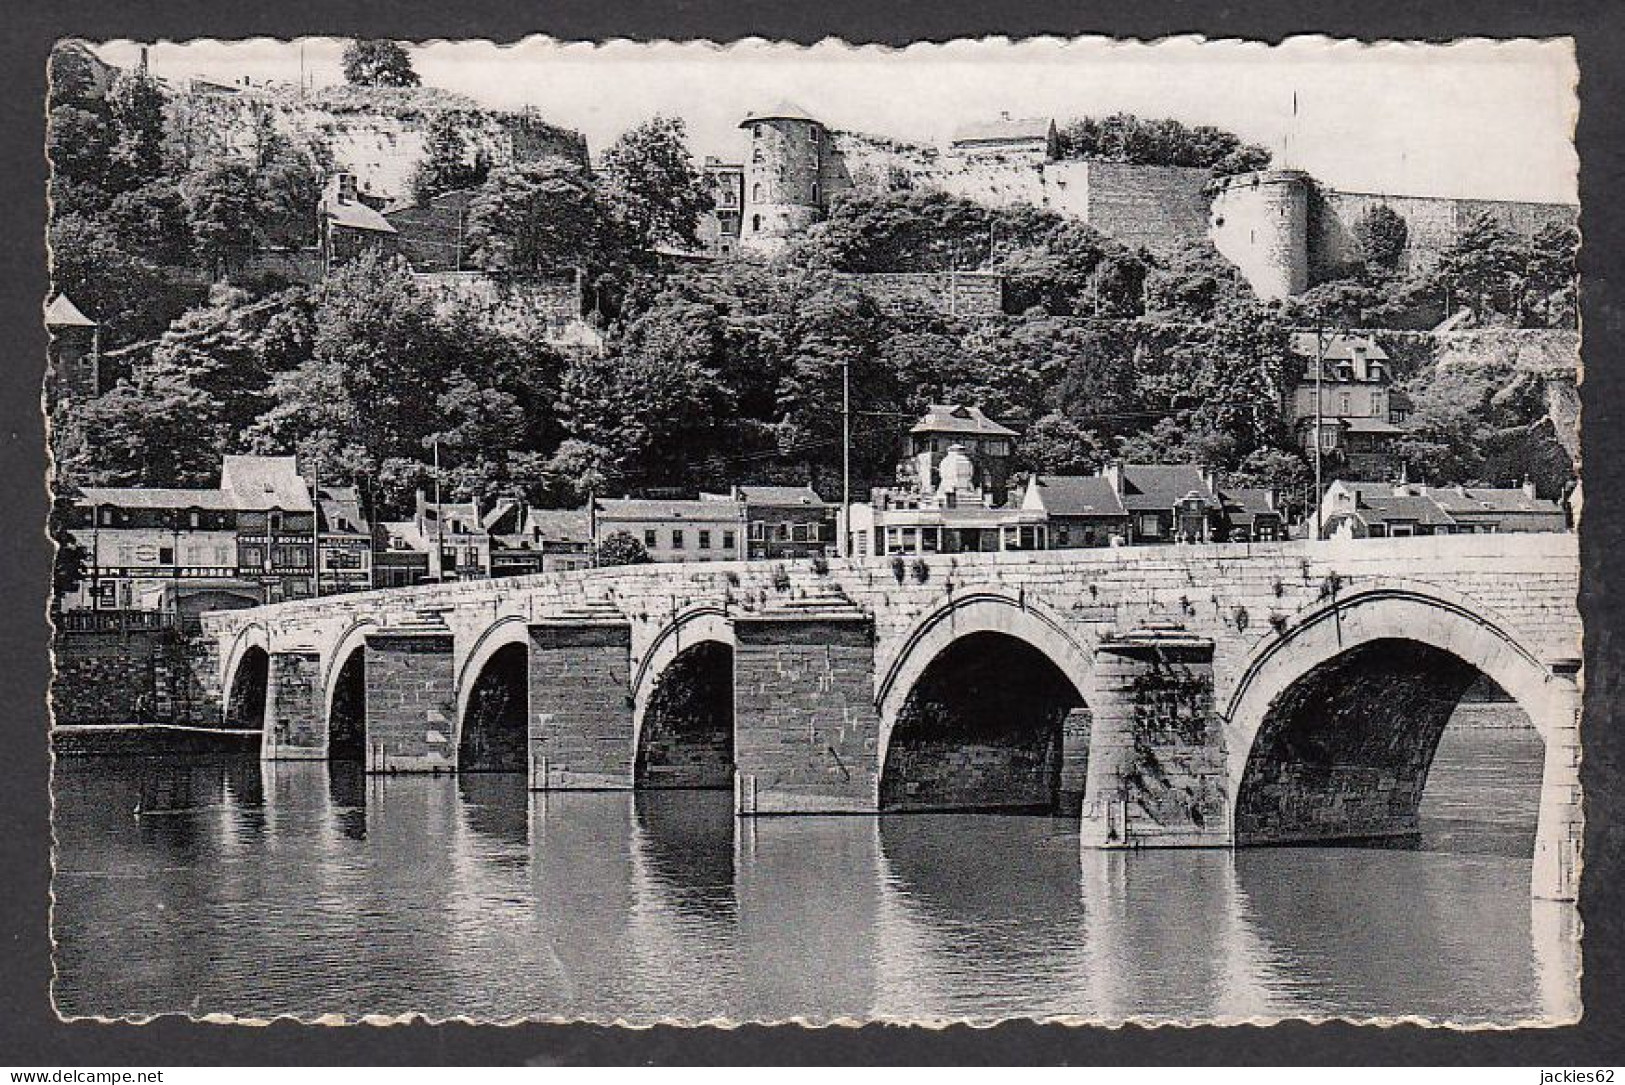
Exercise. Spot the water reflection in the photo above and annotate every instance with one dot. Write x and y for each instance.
(309, 888)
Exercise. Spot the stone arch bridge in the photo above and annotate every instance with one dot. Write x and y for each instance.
(1220, 695)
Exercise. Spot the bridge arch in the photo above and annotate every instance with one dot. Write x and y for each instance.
(990, 627)
(493, 691)
(1331, 728)
(245, 671)
(682, 704)
(344, 693)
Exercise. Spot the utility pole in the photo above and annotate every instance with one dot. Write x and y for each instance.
(1320, 375)
(846, 458)
(439, 519)
(316, 530)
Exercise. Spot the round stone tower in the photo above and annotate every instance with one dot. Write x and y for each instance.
(783, 193)
(1260, 223)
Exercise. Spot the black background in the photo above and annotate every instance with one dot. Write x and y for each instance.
(32, 1036)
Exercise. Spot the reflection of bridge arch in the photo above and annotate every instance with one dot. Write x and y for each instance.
(971, 612)
(1350, 702)
(677, 640)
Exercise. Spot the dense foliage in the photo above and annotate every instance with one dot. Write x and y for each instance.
(1124, 137)
(721, 373)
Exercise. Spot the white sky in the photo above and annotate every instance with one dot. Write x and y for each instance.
(1492, 120)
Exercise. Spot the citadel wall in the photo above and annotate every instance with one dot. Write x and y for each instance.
(376, 135)
(1277, 226)
(1432, 223)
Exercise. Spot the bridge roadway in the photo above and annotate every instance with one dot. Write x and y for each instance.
(1220, 695)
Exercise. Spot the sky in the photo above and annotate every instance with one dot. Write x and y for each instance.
(1483, 119)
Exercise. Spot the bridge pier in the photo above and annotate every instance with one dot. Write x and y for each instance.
(1156, 771)
(1556, 871)
(580, 708)
(806, 728)
(295, 718)
(411, 700)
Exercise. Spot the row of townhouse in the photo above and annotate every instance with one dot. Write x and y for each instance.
(263, 536)
(1377, 510)
(955, 495)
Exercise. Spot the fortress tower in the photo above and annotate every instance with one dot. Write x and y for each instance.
(1260, 223)
(783, 193)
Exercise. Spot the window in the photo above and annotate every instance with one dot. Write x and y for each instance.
(756, 223)
(756, 192)
(705, 540)
(253, 557)
(107, 517)
(815, 191)
(276, 521)
(758, 530)
(677, 540)
(166, 555)
(801, 533)
(1150, 525)
(649, 538)
(192, 518)
(781, 532)
(729, 541)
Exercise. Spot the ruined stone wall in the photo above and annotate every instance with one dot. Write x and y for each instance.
(961, 293)
(548, 306)
(377, 134)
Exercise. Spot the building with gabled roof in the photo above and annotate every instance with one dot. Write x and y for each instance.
(988, 444)
(783, 521)
(1023, 137)
(74, 352)
(252, 538)
(527, 540)
(1083, 510)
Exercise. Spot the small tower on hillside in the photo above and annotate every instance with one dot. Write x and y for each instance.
(784, 193)
(75, 352)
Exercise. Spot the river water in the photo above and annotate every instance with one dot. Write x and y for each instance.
(309, 889)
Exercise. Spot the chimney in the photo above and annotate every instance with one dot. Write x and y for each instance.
(1210, 480)
(1270, 499)
(1529, 488)
(1112, 472)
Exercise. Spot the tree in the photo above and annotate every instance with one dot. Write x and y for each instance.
(378, 63)
(1483, 269)
(1192, 284)
(447, 165)
(652, 184)
(1124, 137)
(1281, 470)
(1381, 234)
(1058, 445)
(153, 220)
(224, 199)
(538, 216)
(620, 548)
(919, 231)
(136, 105)
(1551, 278)
(69, 563)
